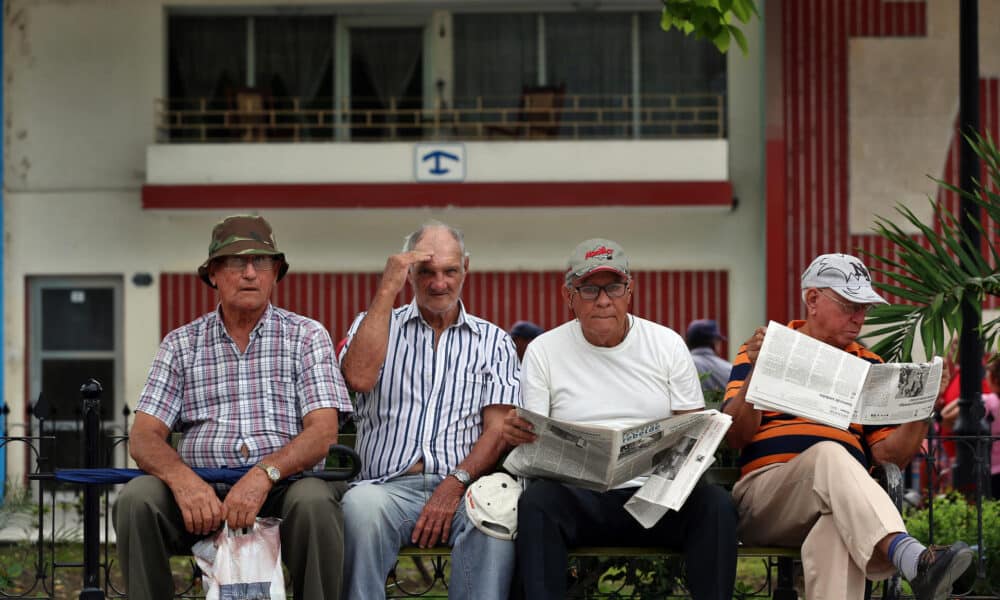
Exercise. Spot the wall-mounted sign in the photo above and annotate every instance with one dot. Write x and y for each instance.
(439, 162)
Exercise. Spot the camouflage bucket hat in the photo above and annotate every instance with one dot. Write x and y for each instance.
(242, 234)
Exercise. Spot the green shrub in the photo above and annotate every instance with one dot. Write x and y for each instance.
(955, 519)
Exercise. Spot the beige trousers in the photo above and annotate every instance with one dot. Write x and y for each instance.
(824, 501)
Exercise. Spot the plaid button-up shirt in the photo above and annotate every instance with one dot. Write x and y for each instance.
(235, 408)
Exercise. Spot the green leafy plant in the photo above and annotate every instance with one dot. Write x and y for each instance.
(17, 511)
(935, 272)
(955, 519)
(709, 20)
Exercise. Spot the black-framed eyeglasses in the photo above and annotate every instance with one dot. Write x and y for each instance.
(261, 262)
(591, 292)
(849, 308)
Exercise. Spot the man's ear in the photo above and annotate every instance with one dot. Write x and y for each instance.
(567, 296)
(810, 297)
(465, 264)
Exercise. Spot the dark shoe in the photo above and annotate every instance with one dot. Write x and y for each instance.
(937, 568)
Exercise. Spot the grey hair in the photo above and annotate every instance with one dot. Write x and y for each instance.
(411, 241)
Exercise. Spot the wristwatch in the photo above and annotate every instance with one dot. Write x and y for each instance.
(273, 473)
(462, 476)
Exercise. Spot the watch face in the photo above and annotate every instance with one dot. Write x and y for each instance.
(462, 476)
(272, 472)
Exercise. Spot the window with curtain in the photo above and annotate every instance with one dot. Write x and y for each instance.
(294, 57)
(591, 53)
(293, 60)
(673, 63)
(496, 56)
(207, 57)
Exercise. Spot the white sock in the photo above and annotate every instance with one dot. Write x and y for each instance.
(904, 552)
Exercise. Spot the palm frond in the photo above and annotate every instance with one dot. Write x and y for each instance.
(938, 269)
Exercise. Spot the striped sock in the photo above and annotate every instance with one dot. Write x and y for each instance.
(904, 552)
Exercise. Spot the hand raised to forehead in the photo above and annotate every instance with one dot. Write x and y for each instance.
(398, 266)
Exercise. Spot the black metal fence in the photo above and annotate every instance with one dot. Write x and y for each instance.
(35, 566)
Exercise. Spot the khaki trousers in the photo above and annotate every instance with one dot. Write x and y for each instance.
(150, 529)
(824, 501)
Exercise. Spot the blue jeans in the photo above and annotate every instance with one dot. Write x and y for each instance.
(379, 520)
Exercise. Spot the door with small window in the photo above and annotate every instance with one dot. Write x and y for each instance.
(75, 335)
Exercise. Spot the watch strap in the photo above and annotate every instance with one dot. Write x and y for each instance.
(462, 476)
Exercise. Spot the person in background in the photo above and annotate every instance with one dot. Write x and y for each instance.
(432, 384)
(804, 484)
(704, 340)
(522, 333)
(991, 401)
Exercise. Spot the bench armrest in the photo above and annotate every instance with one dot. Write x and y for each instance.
(342, 464)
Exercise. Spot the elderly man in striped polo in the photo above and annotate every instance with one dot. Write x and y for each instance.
(434, 384)
(807, 484)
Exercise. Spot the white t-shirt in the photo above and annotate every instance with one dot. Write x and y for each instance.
(647, 376)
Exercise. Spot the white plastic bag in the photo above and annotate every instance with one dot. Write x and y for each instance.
(242, 566)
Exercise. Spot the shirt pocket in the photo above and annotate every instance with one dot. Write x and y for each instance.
(281, 413)
(474, 385)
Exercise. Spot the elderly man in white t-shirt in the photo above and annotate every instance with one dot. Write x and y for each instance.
(608, 366)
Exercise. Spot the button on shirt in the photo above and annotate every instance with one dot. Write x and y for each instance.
(427, 404)
(235, 408)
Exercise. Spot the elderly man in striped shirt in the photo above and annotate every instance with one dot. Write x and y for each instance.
(433, 383)
(807, 484)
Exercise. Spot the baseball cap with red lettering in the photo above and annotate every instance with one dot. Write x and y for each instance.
(595, 255)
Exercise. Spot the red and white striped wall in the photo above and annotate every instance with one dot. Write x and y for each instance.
(672, 298)
(808, 176)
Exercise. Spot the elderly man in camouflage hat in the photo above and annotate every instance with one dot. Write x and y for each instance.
(247, 385)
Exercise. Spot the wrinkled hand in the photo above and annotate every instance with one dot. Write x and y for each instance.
(517, 431)
(200, 506)
(243, 502)
(434, 524)
(398, 265)
(754, 344)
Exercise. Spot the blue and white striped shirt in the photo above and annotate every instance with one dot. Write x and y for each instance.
(428, 404)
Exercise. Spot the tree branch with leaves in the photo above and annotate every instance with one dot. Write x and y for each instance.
(709, 20)
(940, 268)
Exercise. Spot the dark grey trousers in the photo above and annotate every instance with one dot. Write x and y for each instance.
(150, 529)
(553, 517)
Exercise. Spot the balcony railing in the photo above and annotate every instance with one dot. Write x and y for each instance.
(254, 117)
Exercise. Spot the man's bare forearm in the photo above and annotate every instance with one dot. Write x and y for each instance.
(151, 452)
(309, 447)
(746, 418)
(367, 352)
(902, 444)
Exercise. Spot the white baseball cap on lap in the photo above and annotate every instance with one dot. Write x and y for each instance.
(491, 505)
(844, 274)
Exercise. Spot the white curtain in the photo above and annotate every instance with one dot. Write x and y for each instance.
(496, 55)
(294, 55)
(391, 57)
(207, 56)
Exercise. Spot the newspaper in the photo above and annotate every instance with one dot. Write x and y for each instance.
(674, 452)
(800, 375)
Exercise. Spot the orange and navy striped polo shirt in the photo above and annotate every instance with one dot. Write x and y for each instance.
(781, 436)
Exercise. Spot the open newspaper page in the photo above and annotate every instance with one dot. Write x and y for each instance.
(899, 393)
(676, 474)
(596, 457)
(803, 376)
